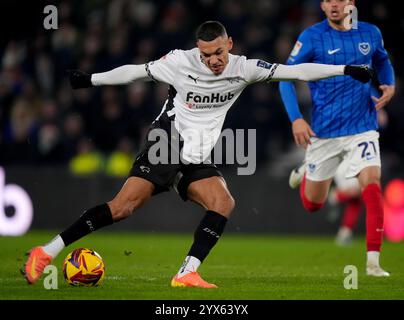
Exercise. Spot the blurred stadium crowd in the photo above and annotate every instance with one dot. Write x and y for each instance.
(44, 122)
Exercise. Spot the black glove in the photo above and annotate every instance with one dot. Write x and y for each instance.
(361, 73)
(79, 79)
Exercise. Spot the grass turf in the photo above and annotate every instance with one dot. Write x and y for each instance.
(245, 267)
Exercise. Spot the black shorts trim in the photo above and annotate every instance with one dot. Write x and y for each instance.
(167, 176)
(193, 174)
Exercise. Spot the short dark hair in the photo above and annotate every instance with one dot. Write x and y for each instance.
(210, 30)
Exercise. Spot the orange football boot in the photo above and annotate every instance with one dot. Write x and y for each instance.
(192, 279)
(37, 261)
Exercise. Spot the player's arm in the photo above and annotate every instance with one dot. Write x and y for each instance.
(385, 72)
(316, 71)
(163, 70)
(302, 131)
(301, 53)
(118, 76)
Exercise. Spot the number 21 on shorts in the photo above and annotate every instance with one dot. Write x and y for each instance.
(368, 152)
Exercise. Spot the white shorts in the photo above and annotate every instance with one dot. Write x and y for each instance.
(343, 183)
(324, 156)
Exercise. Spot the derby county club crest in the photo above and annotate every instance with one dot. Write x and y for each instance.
(364, 48)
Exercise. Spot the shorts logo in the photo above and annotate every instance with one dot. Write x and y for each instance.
(144, 169)
(90, 225)
(264, 64)
(312, 167)
(369, 157)
(364, 48)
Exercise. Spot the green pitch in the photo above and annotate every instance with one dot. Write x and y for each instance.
(140, 266)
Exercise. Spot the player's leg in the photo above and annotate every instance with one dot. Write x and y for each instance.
(134, 193)
(365, 163)
(146, 179)
(350, 216)
(314, 193)
(212, 194)
(296, 176)
(346, 192)
(369, 179)
(315, 176)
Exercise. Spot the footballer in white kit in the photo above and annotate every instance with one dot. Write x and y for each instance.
(204, 82)
(196, 108)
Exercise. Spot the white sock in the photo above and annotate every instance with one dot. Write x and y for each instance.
(54, 247)
(190, 264)
(373, 258)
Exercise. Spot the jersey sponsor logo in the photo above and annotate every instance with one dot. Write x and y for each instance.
(201, 107)
(333, 51)
(264, 64)
(212, 98)
(364, 48)
(296, 48)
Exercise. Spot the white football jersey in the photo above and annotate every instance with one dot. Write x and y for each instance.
(200, 99)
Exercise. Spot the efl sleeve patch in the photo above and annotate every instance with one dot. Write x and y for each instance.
(264, 64)
(296, 49)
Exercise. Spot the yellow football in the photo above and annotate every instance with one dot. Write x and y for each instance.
(83, 267)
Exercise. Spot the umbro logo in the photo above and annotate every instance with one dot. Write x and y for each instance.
(333, 51)
(191, 77)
